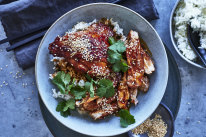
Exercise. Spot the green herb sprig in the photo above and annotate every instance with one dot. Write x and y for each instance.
(126, 118)
(115, 52)
(64, 107)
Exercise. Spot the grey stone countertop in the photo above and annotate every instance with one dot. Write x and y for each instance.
(19, 107)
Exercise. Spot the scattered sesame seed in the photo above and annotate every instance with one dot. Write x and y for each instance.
(1, 69)
(29, 98)
(178, 132)
(1, 85)
(2, 93)
(11, 72)
(19, 76)
(4, 82)
(198, 122)
(6, 65)
(188, 103)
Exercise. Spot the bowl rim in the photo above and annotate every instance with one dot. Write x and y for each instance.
(91, 4)
(173, 39)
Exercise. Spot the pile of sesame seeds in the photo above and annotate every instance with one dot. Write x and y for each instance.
(153, 127)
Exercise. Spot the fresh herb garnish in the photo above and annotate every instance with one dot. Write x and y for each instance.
(126, 118)
(70, 104)
(64, 107)
(115, 52)
(62, 80)
(78, 92)
(105, 88)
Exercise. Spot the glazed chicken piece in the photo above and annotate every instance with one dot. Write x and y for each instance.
(97, 108)
(90, 104)
(85, 50)
(145, 84)
(133, 95)
(108, 106)
(148, 64)
(123, 93)
(107, 109)
(135, 54)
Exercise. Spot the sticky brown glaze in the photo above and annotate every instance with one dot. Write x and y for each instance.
(134, 53)
(85, 50)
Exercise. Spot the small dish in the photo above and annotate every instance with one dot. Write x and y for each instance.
(167, 117)
(197, 63)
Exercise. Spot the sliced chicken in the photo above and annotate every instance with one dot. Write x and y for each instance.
(145, 84)
(133, 95)
(134, 53)
(107, 109)
(148, 64)
(123, 93)
(85, 50)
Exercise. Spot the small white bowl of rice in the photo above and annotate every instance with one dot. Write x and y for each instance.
(191, 12)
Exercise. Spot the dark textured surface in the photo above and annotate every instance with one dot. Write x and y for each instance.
(42, 12)
(19, 106)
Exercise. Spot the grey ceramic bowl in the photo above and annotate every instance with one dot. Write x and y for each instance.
(197, 63)
(128, 20)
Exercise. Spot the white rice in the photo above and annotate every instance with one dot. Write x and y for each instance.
(190, 12)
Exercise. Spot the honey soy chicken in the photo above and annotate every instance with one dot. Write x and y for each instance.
(85, 52)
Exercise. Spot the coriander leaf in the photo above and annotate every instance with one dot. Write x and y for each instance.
(88, 77)
(106, 88)
(89, 87)
(111, 40)
(61, 80)
(105, 83)
(113, 56)
(78, 92)
(60, 106)
(70, 104)
(91, 91)
(70, 86)
(113, 47)
(101, 91)
(120, 46)
(126, 118)
(110, 92)
(66, 78)
(66, 113)
(124, 66)
(116, 67)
